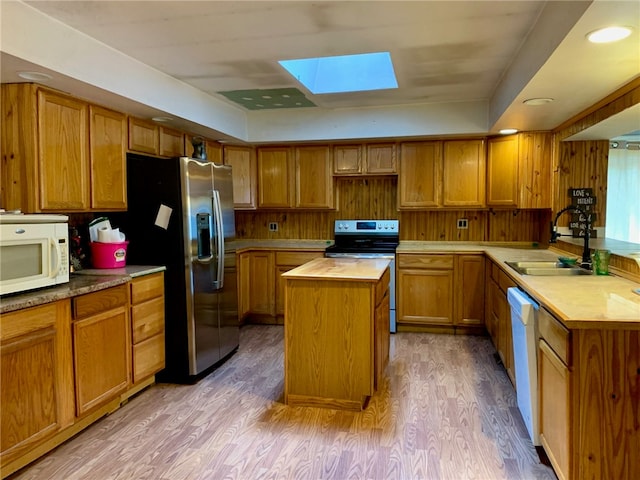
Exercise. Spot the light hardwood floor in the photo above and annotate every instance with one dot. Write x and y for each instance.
(446, 410)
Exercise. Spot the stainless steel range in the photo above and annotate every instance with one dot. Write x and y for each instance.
(369, 239)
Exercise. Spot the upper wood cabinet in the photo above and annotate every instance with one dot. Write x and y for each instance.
(365, 159)
(243, 162)
(464, 173)
(275, 177)
(519, 170)
(314, 182)
(297, 177)
(171, 143)
(502, 171)
(420, 175)
(60, 154)
(154, 139)
(63, 160)
(144, 136)
(107, 140)
(347, 159)
(534, 169)
(381, 158)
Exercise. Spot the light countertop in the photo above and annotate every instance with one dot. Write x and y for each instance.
(356, 269)
(581, 301)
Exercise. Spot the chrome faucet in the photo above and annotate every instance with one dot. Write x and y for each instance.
(586, 253)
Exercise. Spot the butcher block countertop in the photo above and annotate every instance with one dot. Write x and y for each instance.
(356, 269)
(580, 302)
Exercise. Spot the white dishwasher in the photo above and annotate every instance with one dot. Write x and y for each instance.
(524, 327)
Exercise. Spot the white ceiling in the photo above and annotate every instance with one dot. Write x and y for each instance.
(489, 56)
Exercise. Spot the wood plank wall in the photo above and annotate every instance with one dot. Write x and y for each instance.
(582, 164)
(585, 163)
(375, 198)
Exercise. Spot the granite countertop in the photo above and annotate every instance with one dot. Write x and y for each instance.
(356, 269)
(581, 301)
(80, 283)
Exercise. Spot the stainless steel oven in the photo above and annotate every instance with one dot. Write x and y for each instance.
(369, 239)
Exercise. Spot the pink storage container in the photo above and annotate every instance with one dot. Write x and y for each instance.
(109, 255)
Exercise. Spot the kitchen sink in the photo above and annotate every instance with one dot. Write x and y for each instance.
(546, 268)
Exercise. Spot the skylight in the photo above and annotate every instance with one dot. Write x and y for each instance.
(344, 73)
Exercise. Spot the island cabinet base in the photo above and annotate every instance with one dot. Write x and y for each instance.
(336, 340)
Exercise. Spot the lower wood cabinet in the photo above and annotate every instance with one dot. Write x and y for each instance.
(440, 290)
(285, 261)
(67, 363)
(257, 291)
(498, 316)
(336, 339)
(37, 395)
(554, 380)
(261, 292)
(102, 346)
(147, 325)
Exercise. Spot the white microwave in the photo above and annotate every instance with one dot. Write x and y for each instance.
(34, 251)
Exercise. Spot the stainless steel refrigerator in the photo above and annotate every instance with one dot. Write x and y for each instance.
(180, 214)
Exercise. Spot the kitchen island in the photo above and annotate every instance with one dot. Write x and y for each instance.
(336, 331)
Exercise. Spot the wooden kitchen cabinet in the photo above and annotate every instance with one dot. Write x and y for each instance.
(365, 159)
(554, 381)
(60, 154)
(171, 142)
(285, 261)
(151, 138)
(298, 177)
(213, 149)
(275, 177)
(519, 170)
(420, 175)
(108, 159)
(102, 346)
(336, 315)
(257, 284)
(425, 289)
(441, 290)
(37, 395)
(502, 171)
(243, 162)
(464, 173)
(498, 314)
(63, 160)
(587, 382)
(381, 158)
(144, 136)
(469, 288)
(147, 325)
(313, 177)
(347, 160)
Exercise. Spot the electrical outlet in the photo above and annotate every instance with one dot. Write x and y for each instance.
(463, 223)
(273, 226)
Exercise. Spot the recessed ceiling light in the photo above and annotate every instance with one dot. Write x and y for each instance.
(508, 131)
(162, 119)
(609, 34)
(537, 101)
(35, 76)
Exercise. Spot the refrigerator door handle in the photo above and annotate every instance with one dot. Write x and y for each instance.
(219, 240)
